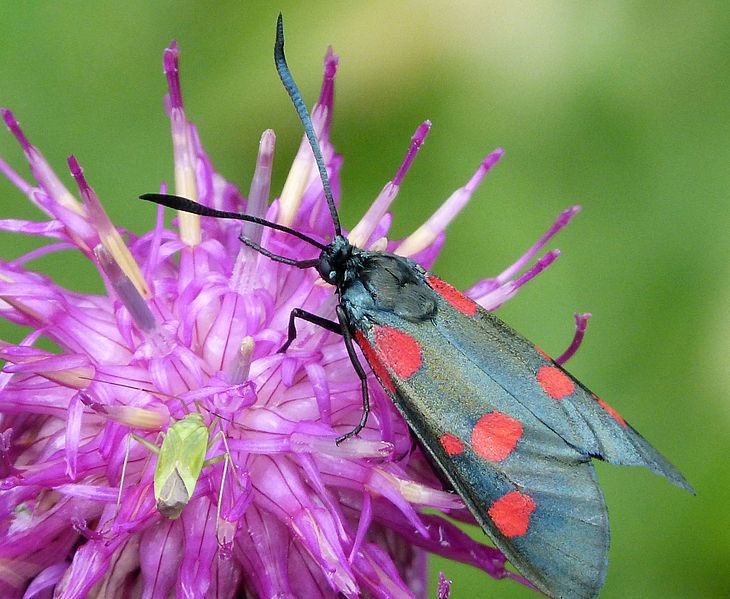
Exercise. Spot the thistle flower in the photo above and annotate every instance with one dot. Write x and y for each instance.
(190, 321)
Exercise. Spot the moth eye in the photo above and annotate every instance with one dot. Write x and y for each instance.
(331, 275)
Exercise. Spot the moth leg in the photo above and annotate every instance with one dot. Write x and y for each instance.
(309, 317)
(345, 331)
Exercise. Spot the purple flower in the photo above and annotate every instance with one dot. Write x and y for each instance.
(191, 321)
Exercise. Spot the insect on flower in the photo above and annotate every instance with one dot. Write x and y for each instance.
(180, 459)
(181, 455)
(513, 432)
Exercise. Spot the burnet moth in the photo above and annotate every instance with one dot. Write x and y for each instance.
(512, 432)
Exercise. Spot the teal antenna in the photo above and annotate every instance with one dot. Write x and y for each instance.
(296, 97)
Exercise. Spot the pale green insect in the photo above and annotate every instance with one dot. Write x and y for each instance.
(180, 457)
(180, 460)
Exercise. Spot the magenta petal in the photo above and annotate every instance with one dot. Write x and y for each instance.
(73, 431)
(199, 520)
(90, 563)
(45, 580)
(160, 551)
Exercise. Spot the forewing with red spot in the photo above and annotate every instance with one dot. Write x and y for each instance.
(550, 393)
(512, 431)
(492, 449)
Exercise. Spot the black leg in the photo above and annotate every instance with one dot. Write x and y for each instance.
(360, 373)
(341, 329)
(309, 317)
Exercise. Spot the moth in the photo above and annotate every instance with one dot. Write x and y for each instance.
(512, 431)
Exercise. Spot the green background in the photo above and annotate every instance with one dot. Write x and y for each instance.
(620, 106)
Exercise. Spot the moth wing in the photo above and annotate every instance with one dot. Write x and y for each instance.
(579, 416)
(537, 497)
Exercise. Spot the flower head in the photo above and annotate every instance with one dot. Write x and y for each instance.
(190, 323)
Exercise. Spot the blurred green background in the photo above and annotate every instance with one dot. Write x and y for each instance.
(622, 107)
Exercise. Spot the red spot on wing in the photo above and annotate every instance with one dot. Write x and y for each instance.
(393, 351)
(374, 360)
(511, 513)
(543, 353)
(610, 410)
(452, 295)
(495, 436)
(400, 352)
(451, 444)
(555, 382)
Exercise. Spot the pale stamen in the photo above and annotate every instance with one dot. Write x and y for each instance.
(108, 233)
(427, 233)
(126, 291)
(240, 367)
(182, 147)
(243, 278)
(361, 233)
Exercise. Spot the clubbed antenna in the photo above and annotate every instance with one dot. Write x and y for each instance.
(296, 97)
